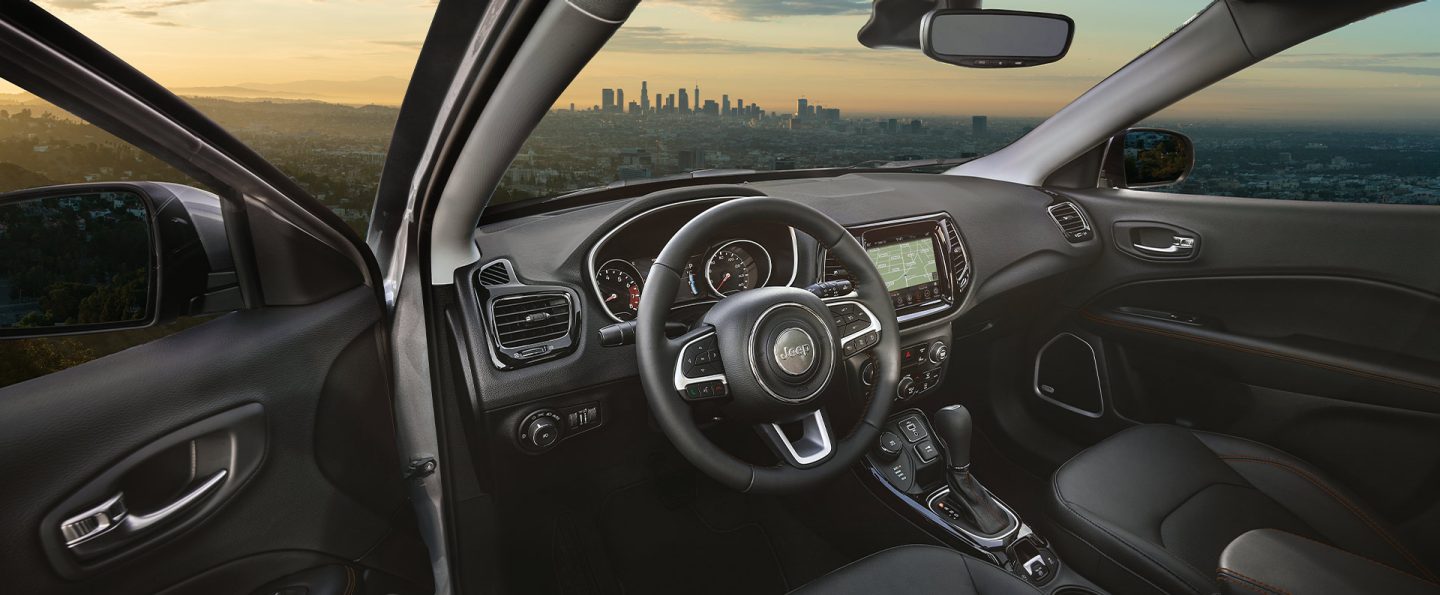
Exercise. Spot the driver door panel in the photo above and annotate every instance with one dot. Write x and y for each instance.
(306, 486)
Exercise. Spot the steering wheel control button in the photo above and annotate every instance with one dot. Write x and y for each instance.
(794, 351)
(854, 327)
(890, 445)
(844, 314)
(702, 358)
(701, 391)
(927, 451)
(913, 429)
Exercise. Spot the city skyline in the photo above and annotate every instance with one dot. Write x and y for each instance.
(358, 52)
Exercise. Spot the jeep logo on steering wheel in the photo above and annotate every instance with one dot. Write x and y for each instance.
(795, 351)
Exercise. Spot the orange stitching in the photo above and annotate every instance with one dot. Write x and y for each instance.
(1350, 553)
(1258, 351)
(1344, 502)
(1230, 576)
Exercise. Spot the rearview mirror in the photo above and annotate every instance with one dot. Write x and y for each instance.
(90, 257)
(995, 38)
(1147, 158)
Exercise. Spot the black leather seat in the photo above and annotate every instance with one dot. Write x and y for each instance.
(918, 570)
(1152, 508)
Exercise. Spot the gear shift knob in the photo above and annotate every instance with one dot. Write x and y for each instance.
(954, 426)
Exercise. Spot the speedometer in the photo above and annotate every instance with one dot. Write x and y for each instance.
(737, 265)
(619, 284)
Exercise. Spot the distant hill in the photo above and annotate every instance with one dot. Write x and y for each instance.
(381, 90)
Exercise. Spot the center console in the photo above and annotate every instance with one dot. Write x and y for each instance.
(926, 270)
(911, 459)
(923, 464)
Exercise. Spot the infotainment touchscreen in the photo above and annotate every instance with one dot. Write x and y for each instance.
(909, 268)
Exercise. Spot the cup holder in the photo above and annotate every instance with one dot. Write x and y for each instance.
(1073, 591)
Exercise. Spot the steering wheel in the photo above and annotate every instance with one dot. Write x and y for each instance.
(766, 355)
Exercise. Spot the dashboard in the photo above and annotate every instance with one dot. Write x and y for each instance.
(957, 254)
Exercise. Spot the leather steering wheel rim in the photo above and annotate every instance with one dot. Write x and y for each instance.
(657, 353)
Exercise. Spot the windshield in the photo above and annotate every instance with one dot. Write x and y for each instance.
(773, 86)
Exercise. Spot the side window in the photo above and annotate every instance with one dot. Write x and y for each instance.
(1351, 116)
(42, 240)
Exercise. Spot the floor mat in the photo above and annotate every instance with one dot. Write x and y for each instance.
(660, 539)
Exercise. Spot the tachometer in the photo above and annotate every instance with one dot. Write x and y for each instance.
(737, 265)
(619, 284)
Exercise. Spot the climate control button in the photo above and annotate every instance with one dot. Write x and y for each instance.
(907, 388)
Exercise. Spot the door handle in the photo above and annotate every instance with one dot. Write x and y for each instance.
(110, 525)
(1182, 246)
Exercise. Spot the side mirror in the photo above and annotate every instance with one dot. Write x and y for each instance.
(995, 38)
(1147, 158)
(94, 257)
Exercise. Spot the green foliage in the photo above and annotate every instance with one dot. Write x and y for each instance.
(82, 259)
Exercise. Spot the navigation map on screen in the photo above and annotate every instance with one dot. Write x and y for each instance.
(905, 264)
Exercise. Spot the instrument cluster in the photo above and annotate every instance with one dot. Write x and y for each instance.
(725, 268)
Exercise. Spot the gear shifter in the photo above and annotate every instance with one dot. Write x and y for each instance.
(975, 506)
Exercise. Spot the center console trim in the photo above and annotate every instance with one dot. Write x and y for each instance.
(989, 542)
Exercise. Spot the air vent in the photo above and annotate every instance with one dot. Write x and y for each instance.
(959, 261)
(834, 271)
(530, 319)
(1071, 221)
(495, 273)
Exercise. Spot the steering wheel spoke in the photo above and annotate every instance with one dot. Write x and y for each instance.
(855, 323)
(699, 373)
(805, 442)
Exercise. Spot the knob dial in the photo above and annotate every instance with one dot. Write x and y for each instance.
(867, 373)
(906, 388)
(889, 446)
(542, 430)
(938, 352)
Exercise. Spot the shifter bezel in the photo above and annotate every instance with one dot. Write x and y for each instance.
(998, 541)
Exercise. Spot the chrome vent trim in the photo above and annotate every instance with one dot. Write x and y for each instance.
(959, 255)
(1072, 221)
(496, 273)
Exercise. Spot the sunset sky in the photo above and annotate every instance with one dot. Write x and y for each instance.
(770, 51)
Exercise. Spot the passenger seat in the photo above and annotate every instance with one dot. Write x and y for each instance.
(1152, 508)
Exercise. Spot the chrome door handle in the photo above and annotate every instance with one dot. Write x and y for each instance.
(110, 525)
(1181, 246)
